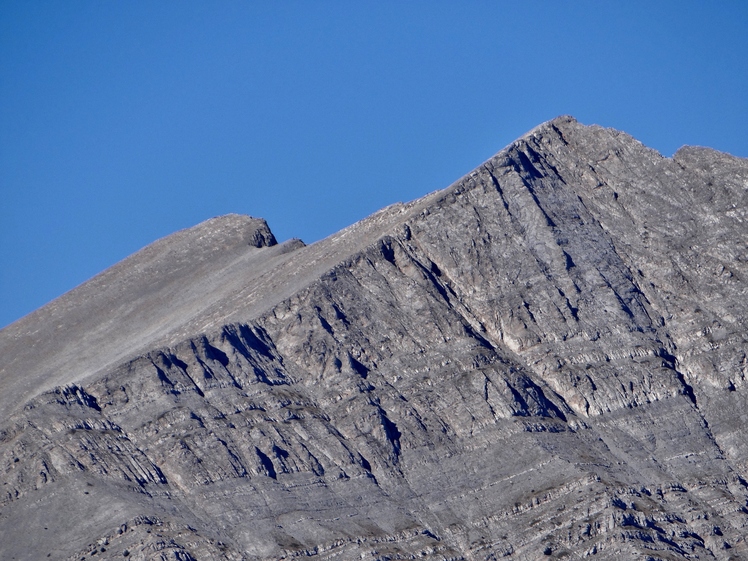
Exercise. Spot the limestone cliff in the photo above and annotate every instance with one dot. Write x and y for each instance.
(545, 360)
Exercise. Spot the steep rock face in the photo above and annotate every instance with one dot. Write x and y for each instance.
(546, 359)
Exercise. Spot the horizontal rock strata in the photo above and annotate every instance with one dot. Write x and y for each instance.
(545, 360)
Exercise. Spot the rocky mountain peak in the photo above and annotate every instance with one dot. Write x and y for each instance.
(252, 231)
(545, 359)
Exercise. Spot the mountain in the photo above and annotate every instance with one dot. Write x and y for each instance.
(547, 359)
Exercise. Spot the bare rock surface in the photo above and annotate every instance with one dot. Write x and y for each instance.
(545, 360)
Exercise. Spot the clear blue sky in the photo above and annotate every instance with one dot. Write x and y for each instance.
(124, 121)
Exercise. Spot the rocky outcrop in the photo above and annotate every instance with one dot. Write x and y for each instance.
(546, 359)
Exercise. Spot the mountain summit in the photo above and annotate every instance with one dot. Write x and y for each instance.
(546, 359)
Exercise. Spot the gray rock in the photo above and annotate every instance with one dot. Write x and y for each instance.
(546, 359)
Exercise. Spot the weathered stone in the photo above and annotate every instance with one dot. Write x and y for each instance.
(546, 359)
